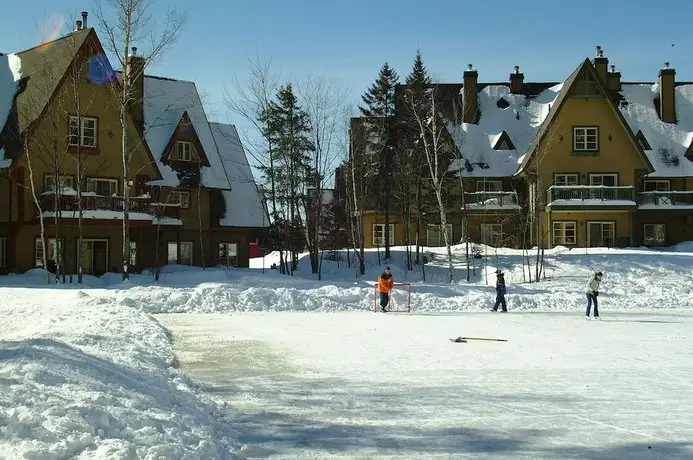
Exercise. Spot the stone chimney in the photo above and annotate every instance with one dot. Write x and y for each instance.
(135, 73)
(667, 109)
(613, 80)
(84, 19)
(517, 81)
(469, 94)
(601, 63)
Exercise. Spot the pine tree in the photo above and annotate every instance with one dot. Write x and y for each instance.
(379, 112)
(413, 161)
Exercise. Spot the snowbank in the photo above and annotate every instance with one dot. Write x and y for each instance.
(85, 376)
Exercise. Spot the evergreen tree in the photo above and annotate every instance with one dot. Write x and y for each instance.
(378, 109)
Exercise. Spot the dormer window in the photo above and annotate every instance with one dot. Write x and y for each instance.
(184, 151)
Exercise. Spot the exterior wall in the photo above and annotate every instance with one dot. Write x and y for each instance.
(210, 245)
(621, 219)
(616, 155)
(678, 225)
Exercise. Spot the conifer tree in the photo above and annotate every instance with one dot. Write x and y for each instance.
(379, 110)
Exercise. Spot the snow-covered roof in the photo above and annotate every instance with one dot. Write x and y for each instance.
(244, 206)
(165, 102)
(519, 115)
(10, 73)
(667, 140)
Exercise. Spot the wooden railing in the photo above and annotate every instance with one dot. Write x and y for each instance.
(491, 200)
(665, 200)
(590, 194)
(91, 202)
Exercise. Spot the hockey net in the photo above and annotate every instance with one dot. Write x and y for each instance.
(400, 298)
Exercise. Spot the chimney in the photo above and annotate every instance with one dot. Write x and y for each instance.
(667, 109)
(78, 25)
(135, 73)
(601, 63)
(613, 80)
(470, 100)
(84, 19)
(516, 81)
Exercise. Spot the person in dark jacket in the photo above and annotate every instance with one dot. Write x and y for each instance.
(385, 284)
(500, 292)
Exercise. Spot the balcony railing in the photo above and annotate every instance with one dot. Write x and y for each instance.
(590, 195)
(491, 200)
(665, 200)
(92, 202)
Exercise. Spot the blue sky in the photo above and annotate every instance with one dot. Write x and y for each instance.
(350, 40)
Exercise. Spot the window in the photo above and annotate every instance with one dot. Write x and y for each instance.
(586, 139)
(609, 180)
(654, 234)
(50, 248)
(565, 179)
(489, 186)
(180, 253)
(95, 256)
(564, 233)
(228, 254)
(133, 253)
(379, 235)
(102, 187)
(657, 186)
(84, 135)
(184, 151)
(492, 234)
(181, 198)
(3, 252)
(601, 234)
(65, 182)
(435, 236)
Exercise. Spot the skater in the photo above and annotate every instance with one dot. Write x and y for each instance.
(500, 292)
(592, 293)
(385, 283)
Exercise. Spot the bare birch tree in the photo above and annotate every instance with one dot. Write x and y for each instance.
(132, 25)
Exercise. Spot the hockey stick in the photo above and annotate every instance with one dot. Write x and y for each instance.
(483, 338)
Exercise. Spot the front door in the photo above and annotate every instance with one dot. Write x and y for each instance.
(601, 234)
(95, 257)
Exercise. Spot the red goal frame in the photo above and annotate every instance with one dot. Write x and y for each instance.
(392, 306)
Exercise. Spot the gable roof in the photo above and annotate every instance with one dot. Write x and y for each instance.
(520, 119)
(640, 137)
(165, 102)
(244, 207)
(670, 142)
(46, 66)
(168, 150)
(10, 74)
(585, 68)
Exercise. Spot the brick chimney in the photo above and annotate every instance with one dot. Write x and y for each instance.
(613, 80)
(135, 73)
(517, 81)
(601, 63)
(469, 94)
(667, 108)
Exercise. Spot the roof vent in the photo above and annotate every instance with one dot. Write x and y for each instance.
(133, 51)
(666, 65)
(78, 25)
(600, 51)
(517, 69)
(84, 19)
(613, 68)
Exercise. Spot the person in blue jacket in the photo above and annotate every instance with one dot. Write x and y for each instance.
(500, 292)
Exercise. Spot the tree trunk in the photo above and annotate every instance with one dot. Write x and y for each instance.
(40, 212)
(126, 180)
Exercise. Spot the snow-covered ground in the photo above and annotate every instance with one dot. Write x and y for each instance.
(306, 369)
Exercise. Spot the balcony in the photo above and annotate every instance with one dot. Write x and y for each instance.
(143, 205)
(665, 200)
(567, 196)
(491, 201)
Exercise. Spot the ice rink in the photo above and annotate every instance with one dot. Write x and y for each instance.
(365, 385)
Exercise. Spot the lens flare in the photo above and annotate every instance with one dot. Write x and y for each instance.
(50, 30)
(99, 71)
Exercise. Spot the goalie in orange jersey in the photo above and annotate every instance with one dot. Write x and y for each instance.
(385, 283)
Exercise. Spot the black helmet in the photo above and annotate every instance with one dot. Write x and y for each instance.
(599, 274)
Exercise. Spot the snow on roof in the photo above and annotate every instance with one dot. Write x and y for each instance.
(667, 140)
(243, 202)
(10, 73)
(165, 102)
(521, 118)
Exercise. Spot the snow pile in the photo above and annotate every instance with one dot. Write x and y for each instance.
(668, 140)
(10, 73)
(520, 117)
(85, 377)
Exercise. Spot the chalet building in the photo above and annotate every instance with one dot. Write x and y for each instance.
(192, 197)
(590, 161)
